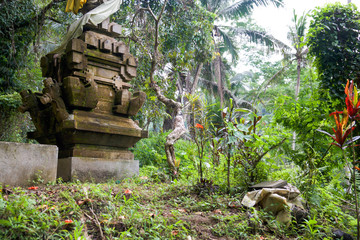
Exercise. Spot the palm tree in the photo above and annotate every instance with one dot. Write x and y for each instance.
(222, 35)
(297, 37)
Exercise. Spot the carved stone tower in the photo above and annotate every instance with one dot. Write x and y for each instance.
(86, 105)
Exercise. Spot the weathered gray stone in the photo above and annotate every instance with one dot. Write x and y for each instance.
(96, 169)
(270, 184)
(20, 163)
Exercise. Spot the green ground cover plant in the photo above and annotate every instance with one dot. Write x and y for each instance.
(146, 208)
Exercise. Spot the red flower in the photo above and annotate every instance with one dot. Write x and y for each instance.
(67, 221)
(127, 191)
(342, 130)
(199, 126)
(33, 188)
(352, 101)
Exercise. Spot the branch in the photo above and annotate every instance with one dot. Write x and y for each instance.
(168, 102)
(54, 20)
(272, 147)
(39, 17)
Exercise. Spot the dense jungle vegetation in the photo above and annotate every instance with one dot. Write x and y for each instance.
(293, 119)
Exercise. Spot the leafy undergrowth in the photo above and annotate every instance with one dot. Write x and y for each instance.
(137, 208)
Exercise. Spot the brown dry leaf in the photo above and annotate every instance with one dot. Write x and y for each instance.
(198, 213)
(85, 201)
(174, 232)
(217, 211)
(166, 214)
(144, 178)
(182, 210)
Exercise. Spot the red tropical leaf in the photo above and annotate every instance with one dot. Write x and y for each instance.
(342, 129)
(352, 101)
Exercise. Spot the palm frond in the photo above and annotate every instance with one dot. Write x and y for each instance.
(228, 94)
(244, 7)
(298, 30)
(261, 37)
(213, 5)
(263, 87)
(239, 81)
(229, 44)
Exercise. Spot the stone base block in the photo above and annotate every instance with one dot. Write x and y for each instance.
(95, 151)
(96, 169)
(20, 163)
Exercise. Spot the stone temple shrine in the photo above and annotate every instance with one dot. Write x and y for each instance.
(86, 105)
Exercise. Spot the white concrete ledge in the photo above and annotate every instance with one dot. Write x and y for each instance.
(20, 163)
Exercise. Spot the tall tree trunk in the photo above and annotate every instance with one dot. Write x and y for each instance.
(297, 91)
(196, 78)
(217, 69)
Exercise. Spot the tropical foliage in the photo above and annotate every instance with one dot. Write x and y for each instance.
(333, 42)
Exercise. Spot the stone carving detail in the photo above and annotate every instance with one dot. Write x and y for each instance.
(51, 95)
(47, 109)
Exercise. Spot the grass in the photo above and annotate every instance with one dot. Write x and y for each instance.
(150, 210)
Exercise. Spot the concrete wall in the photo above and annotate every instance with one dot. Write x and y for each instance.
(20, 163)
(96, 169)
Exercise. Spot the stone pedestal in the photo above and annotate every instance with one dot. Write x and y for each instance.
(21, 163)
(96, 169)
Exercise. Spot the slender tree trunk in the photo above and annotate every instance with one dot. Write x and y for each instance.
(217, 66)
(196, 78)
(297, 91)
(228, 168)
